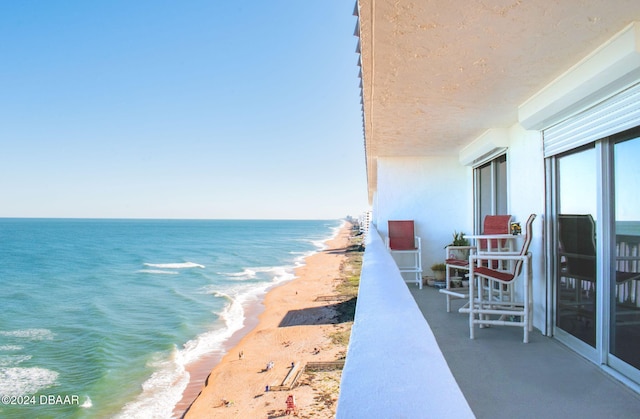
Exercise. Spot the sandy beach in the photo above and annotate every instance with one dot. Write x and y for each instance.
(300, 324)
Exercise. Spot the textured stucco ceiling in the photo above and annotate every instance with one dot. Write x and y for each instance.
(436, 74)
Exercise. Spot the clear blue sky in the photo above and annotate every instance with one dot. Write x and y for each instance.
(180, 109)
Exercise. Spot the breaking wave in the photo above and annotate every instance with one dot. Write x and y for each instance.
(179, 265)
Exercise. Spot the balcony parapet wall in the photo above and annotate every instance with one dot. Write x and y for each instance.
(394, 366)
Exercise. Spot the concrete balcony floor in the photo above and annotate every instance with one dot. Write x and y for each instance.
(501, 377)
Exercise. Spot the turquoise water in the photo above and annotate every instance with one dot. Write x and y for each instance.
(100, 317)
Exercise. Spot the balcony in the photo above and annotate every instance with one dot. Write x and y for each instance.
(400, 365)
(501, 377)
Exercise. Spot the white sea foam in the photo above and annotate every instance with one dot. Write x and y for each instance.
(270, 273)
(250, 293)
(157, 271)
(336, 229)
(282, 274)
(300, 260)
(247, 273)
(209, 342)
(13, 360)
(31, 334)
(163, 390)
(87, 403)
(178, 265)
(17, 381)
(160, 393)
(320, 244)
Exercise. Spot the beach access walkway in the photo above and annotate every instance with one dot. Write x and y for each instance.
(501, 377)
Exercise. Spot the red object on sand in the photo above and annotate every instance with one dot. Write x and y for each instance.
(291, 404)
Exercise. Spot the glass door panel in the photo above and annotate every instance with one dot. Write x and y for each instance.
(485, 191)
(491, 193)
(576, 251)
(625, 276)
(501, 185)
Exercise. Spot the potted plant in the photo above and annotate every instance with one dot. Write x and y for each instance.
(438, 271)
(458, 241)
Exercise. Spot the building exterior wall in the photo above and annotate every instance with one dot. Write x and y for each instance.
(436, 192)
(525, 183)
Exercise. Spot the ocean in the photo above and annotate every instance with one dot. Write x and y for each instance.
(98, 318)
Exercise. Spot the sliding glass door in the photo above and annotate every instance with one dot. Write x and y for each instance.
(576, 217)
(593, 224)
(597, 250)
(624, 339)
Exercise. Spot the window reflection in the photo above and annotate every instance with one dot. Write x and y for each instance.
(576, 284)
(492, 188)
(625, 315)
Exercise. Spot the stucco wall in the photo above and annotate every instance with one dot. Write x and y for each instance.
(525, 174)
(436, 192)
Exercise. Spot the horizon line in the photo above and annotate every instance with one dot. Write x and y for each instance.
(173, 219)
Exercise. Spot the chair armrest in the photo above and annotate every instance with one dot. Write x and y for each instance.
(498, 253)
(498, 256)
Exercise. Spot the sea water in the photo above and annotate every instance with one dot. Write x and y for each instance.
(98, 318)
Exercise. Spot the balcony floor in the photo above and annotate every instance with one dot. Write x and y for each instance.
(501, 377)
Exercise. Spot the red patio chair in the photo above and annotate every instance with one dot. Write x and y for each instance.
(492, 224)
(491, 291)
(403, 241)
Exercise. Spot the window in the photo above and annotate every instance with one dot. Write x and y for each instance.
(490, 182)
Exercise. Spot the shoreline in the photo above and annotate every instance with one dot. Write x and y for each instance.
(200, 370)
(288, 326)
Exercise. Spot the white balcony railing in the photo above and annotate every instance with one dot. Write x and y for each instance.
(394, 367)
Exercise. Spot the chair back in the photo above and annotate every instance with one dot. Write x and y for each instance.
(525, 245)
(495, 224)
(576, 242)
(402, 235)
